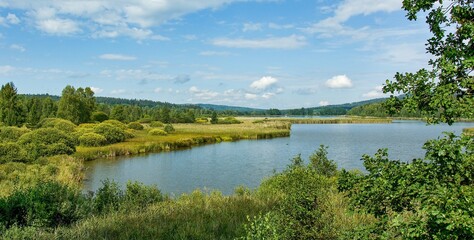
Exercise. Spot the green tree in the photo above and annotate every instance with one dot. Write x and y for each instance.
(10, 110)
(76, 105)
(214, 118)
(445, 92)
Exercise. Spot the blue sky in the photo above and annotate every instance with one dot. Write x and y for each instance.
(262, 53)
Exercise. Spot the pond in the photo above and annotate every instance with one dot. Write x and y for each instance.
(227, 165)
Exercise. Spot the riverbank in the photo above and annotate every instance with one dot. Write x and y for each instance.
(186, 136)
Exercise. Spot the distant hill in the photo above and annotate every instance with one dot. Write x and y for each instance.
(228, 108)
(339, 109)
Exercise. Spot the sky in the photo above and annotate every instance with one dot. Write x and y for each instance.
(251, 53)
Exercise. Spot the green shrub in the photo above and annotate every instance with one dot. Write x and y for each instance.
(157, 132)
(202, 120)
(145, 120)
(108, 197)
(48, 204)
(139, 196)
(135, 126)
(12, 134)
(92, 140)
(169, 128)
(47, 142)
(116, 123)
(156, 124)
(99, 116)
(228, 120)
(129, 134)
(112, 133)
(12, 152)
(58, 123)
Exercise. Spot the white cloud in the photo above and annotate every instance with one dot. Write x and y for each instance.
(118, 91)
(18, 47)
(323, 103)
(251, 96)
(268, 95)
(340, 81)
(290, 42)
(117, 57)
(350, 8)
(376, 92)
(157, 90)
(202, 94)
(214, 53)
(107, 18)
(13, 19)
(6, 69)
(97, 90)
(248, 27)
(264, 83)
(58, 26)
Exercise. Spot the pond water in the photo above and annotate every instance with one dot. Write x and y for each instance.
(227, 165)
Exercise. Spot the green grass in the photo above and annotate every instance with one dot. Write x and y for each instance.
(185, 136)
(191, 216)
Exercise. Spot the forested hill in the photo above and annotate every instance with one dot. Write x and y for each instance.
(340, 109)
(228, 108)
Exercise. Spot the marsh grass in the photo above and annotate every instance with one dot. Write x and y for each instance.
(64, 169)
(185, 136)
(192, 216)
(468, 131)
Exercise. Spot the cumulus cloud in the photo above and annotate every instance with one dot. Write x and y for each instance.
(251, 96)
(180, 79)
(202, 94)
(340, 81)
(157, 90)
(290, 42)
(117, 57)
(376, 92)
(13, 19)
(97, 90)
(18, 47)
(106, 18)
(323, 103)
(264, 83)
(268, 95)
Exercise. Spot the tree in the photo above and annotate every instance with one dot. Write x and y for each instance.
(214, 118)
(10, 110)
(445, 92)
(76, 105)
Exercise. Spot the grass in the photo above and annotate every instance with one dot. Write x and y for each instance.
(468, 131)
(64, 169)
(191, 216)
(186, 136)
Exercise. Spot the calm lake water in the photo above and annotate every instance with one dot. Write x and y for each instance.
(226, 165)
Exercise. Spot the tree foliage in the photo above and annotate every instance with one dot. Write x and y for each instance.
(76, 105)
(445, 92)
(10, 111)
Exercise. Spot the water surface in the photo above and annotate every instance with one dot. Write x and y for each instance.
(226, 165)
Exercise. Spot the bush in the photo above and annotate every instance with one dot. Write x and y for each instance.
(145, 120)
(202, 120)
(169, 128)
(12, 134)
(116, 123)
(92, 140)
(157, 132)
(47, 142)
(229, 120)
(58, 123)
(135, 126)
(99, 116)
(12, 152)
(112, 133)
(156, 124)
(48, 204)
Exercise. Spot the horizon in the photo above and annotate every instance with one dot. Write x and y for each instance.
(257, 54)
